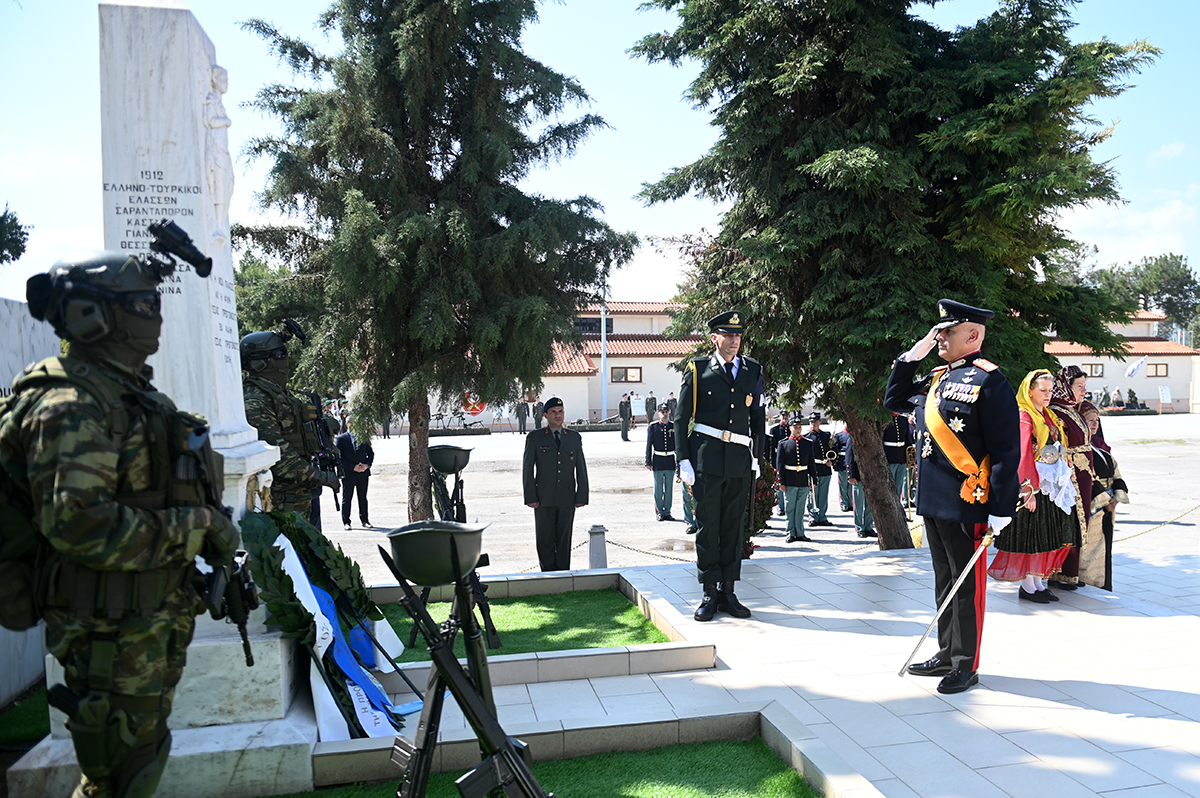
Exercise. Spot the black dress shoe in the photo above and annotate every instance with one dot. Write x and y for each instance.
(868, 533)
(1064, 585)
(691, 530)
(667, 517)
(1050, 596)
(708, 607)
(957, 680)
(930, 667)
(346, 524)
(1036, 598)
(727, 601)
(367, 525)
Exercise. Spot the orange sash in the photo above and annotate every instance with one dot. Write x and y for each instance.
(975, 488)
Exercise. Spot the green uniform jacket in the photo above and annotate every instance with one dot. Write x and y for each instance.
(294, 469)
(736, 406)
(554, 476)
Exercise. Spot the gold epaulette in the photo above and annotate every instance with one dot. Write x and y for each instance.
(986, 365)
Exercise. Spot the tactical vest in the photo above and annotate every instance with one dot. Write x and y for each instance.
(185, 472)
(303, 436)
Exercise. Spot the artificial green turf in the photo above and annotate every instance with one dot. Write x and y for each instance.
(555, 622)
(27, 721)
(718, 769)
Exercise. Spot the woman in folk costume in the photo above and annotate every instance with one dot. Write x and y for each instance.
(1070, 385)
(1095, 556)
(1040, 536)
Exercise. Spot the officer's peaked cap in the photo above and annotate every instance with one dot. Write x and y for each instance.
(731, 321)
(951, 313)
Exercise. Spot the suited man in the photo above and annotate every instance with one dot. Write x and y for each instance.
(969, 441)
(625, 411)
(522, 415)
(775, 435)
(794, 460)
(723, 395)
(356, 469)
(555, 481)
(660, 460)
(818, 499)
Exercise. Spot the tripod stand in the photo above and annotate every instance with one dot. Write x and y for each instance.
(505, 767)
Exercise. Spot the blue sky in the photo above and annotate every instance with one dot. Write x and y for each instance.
(50, 142)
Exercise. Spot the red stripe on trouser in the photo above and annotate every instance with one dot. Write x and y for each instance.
(980, 577)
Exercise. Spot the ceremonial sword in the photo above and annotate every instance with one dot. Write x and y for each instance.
(983, 546)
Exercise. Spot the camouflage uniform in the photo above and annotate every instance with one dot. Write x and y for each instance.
(279, 417)
(105, 460)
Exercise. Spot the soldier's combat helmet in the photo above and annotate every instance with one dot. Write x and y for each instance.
(259, 348)
(86, 296)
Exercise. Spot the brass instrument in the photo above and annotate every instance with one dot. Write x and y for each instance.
(830, 456)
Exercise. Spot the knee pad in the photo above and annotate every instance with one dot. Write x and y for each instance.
(142, 769)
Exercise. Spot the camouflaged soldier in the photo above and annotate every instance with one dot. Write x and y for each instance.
(121, 486)
(284, 420)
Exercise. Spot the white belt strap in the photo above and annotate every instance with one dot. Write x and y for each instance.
(723, 434)
(895, 443)
(796, 468)
(663, 454)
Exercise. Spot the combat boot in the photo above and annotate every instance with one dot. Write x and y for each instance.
(728, 602)
(708, 607)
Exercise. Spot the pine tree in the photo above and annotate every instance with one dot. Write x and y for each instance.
(438, 274)
(876, 164)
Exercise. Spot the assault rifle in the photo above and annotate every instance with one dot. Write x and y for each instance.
(231, 594)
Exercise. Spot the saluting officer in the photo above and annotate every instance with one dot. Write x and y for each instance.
(723, 395)
(794, 460)
(968, 432)
(555, 481)
(660, 459)
(822, 473)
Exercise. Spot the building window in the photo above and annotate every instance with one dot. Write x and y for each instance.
(592, 326)
(626, 374)
(1156, 369)
(1093, 369)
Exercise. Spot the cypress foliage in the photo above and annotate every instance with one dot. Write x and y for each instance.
(875, 164)
(402, 155)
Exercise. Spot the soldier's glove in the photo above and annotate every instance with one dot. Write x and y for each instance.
(221, 539)
(328, 479)
(686, 473)
(922, 347)
(998, 523)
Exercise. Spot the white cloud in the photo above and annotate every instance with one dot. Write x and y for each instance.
(1169, 152)
(1128, 233)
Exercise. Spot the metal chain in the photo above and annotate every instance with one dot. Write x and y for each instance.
(1160, 526)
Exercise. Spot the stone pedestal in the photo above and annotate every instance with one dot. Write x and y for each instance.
(166, 156)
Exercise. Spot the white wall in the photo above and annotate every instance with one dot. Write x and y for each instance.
(657, 376)
(26, 341)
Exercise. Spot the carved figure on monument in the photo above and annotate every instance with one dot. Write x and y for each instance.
(113, 573)
(217, 162)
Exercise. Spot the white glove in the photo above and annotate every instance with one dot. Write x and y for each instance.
(922, 348)
(754, 466)
(686, 473)
(998, 522)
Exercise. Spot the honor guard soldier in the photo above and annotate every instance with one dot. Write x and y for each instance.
(822, 475)
(968, 436)
(124, 493)
(776, 435)
(660, 460)
(721, 399)
(282, 419)
(841, 442)
(794, 460)
(897, 440)
(555, 483)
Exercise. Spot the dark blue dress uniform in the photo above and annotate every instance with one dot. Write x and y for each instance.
(841, 440)
(555, 476)
(723, 476)
(660, 458)
(818, 499)
(795, 459)
(976, 406)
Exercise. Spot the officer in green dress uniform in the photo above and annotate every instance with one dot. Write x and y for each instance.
(555, 483)
(720, 427)
(125, 494)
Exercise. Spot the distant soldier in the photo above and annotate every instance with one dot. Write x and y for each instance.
(794, 461)
(539, 411)
(555, 484)
(660, 460)
(522, 415)
(625, 411)
(672, 403)
(776, 435)
(125, 494)
(651, 406)
(822, 475)
(282, 419)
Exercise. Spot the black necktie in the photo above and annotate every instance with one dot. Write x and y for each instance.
(729, 369)
(557, 439)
